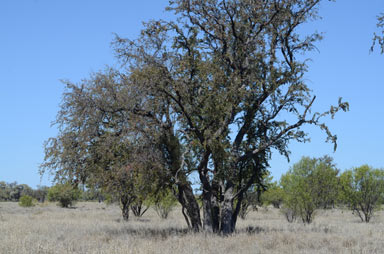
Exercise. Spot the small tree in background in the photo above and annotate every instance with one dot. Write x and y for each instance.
(164, 203)
(324, 182)
(274, 195)
(310, 184)
(362, 190)
(292, 196)
(65, 194)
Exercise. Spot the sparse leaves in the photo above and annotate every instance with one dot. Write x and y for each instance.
(379, 38)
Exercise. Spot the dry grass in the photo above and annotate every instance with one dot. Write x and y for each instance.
(97, 228)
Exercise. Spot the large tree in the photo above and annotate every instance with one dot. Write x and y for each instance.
(210, 94)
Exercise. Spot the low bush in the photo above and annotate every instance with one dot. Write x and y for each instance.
(26, 201)
(164, 204)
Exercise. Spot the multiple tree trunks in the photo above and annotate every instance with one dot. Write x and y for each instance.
(125, 201)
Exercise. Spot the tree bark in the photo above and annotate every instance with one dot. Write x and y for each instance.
(185, 193)
(189, 203)
(207, 211)
(227, 222)
(215, 197)
(238, 208)
(125, 207)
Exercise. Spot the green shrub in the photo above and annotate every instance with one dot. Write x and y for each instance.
(65, 194)
(26, 201)
(274, 195)
(164, 204)
(310, 184)
(110, 199)
(362, 190)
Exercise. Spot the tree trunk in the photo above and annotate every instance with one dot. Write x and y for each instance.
(188, 201)
(207, 211)
(185, 193)
(215, 208)
(227, 222)
(138, 208)
(241, 206)
(125, 207)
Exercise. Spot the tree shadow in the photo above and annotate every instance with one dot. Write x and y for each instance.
(165, 233)
(251, 230)
(162, 234)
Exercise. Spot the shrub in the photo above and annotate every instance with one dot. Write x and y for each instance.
(65, 194)
(362, 190)
(164, 204)
(26, 201)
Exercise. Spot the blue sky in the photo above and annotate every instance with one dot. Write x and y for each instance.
(44, 41)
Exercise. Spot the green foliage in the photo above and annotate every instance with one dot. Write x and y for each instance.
(325, 183)
(65, 194)
(26, 201)
(274, 195)
(109, 199)
(362, 190)
(164, 203)
(13, 191)
(4, 191)
(310, 184)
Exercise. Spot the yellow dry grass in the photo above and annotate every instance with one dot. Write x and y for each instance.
(97, 228)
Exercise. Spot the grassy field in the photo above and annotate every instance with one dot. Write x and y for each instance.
(98, 228)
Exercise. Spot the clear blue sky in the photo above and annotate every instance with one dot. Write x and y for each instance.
(43, 41)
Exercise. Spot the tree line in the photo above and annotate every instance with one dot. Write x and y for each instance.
(309, 185)
(13, 192)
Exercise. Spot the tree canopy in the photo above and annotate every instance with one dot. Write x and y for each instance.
(210, 94)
